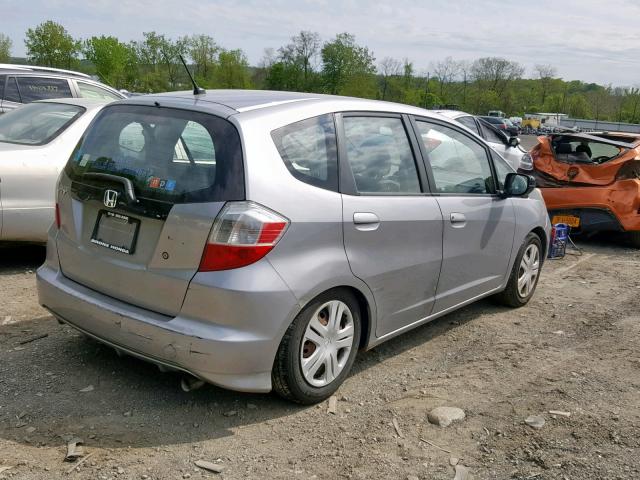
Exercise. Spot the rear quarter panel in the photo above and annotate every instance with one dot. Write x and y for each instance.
(310, 257)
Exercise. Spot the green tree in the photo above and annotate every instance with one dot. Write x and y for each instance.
(203, 51)
(545, 74)
(389, 71)
(578, 106)
(160, 65)
(299, 58)
(116, 63)
(5, 48)
(347, 68)
(232, 70)
(50, 45)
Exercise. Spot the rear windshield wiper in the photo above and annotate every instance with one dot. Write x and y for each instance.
(129, 192)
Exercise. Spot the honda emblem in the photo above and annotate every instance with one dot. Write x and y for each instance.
(110, 198)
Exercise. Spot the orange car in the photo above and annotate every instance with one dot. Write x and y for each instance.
(591, 181)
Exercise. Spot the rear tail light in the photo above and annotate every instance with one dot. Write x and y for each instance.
(242, 234)
(57, 216)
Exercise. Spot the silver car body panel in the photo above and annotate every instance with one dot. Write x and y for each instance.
(226, 326)
(28, 176)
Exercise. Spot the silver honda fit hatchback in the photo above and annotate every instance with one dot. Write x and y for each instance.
(257, 240)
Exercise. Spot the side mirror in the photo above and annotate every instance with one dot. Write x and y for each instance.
(514, 142)
(518, 185)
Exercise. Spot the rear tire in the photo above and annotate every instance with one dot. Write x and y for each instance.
(524, 274)
(318, 349)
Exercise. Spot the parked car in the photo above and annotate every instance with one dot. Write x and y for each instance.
(591, 181)
(517, 121)
(502, 124)
(223, 235)
(508, 147)
(35, 143)
(21, 84)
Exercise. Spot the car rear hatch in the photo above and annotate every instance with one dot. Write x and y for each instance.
(138, 198)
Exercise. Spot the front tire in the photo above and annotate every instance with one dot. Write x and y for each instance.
(524, 274)
(318, 349)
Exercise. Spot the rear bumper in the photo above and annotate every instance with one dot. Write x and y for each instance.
(238, 356)
(618, 204)
(591, 220)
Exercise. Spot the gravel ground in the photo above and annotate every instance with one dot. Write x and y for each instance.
(573, 349)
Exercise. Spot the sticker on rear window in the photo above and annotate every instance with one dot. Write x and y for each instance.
(162, 184)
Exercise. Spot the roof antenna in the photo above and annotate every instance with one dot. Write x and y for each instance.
(196, 89)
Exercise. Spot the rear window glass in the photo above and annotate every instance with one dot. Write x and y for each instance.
(39, 88)
(37, 123)
(308, 149)
(170, 155)
(3, 79)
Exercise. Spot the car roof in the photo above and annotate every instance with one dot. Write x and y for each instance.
(230, 102)
(37, 69)
(453, 113)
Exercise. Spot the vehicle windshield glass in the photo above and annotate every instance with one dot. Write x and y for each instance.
(37, 123)
(170, 155)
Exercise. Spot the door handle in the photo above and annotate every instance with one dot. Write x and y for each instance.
(366, 221)
(458, 219)
(363, 218)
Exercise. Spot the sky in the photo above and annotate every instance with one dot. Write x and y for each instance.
(594, 41)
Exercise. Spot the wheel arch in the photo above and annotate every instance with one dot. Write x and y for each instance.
(539, 231)
(366, 303)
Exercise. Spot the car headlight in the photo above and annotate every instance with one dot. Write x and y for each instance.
(526, 162)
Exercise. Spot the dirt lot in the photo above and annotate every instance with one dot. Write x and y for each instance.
(573, 349)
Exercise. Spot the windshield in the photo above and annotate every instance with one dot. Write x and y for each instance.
(37, 123)
(170, 155)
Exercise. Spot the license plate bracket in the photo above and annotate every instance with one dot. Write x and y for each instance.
(116, 231)
(570, 220)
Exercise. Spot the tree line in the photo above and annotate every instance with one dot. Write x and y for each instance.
(337, 66)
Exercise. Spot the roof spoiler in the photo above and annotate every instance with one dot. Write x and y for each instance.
(33, 68)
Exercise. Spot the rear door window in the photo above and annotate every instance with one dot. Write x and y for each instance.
(380, 156)
(42, 88)
(170, 155)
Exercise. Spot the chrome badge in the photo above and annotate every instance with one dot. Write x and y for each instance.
(110, 198)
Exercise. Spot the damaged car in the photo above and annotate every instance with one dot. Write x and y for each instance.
(591, 182)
